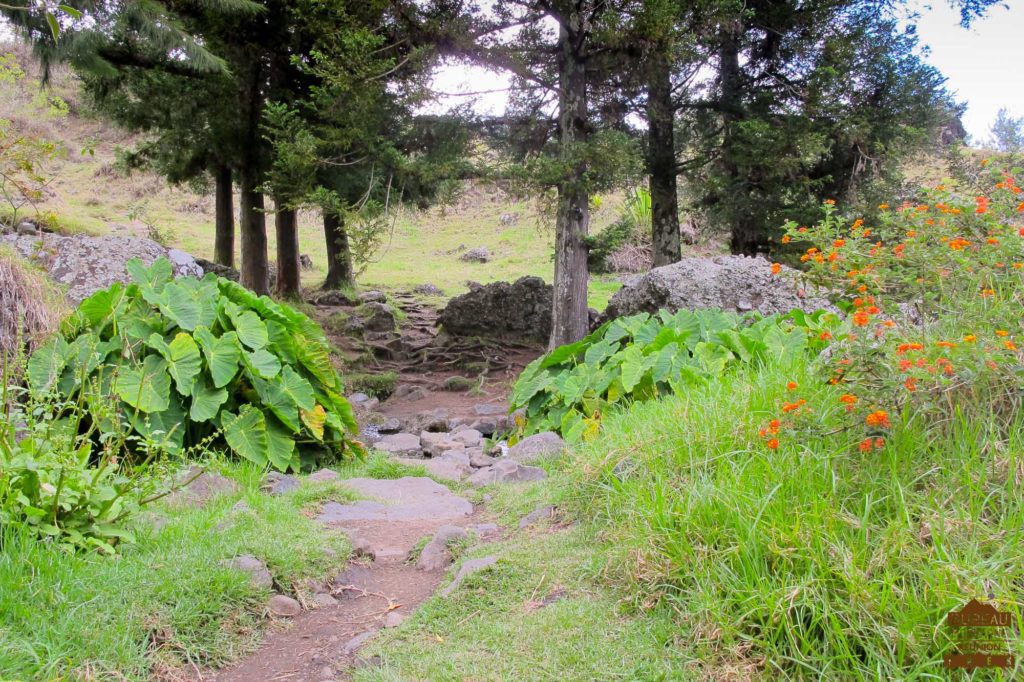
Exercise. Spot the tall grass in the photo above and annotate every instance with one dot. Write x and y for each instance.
(815, 560)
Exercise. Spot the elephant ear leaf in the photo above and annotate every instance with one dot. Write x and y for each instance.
(314, 420)
(206, 401)
(47, 364)
(297, 388)
(250, 329)
(146, 388)
(222, 355)
(246, 434)
(280, 446)
(183, 359)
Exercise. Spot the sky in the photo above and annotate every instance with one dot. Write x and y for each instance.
(984, 65)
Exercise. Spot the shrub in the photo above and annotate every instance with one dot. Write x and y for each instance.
(203, 361)
(31, 308)
(380, 385)
(643, 357)
(934, 293)
(607, 242)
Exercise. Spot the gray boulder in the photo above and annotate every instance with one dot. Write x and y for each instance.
(506, 471)
(435, 555)
(401, 444)
(518, 310)
(285, 607)
(380, 317)
(732, 283)
(536, 446)
(467, 569)
(257, 570)
(87, 264)
(277, 483)
(478, 255)
(201, 487)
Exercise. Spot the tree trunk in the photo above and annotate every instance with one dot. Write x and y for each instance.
(289, 284)
(224, 241)
(339, 257)
(255, 273)
(570, 321)
(661, 162)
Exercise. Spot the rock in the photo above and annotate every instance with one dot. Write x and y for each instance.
(544, 512)
(434, 421)
(335, 297)
(305, 262)
(277, 483)
(358, 398)
(733, 283)
(27, 228)
(202, 488)
(257, 570)
(358, 641)
(427, 290)
(468, 568)
(241, 507)
(401, 444)
(506, 219)
(485, 529)
(623, 468)
(444, 469)
(324, 600)
(470, 438)
(435, 555)
(457, 455)
(87, 264)
(389, 426)
(436, 443)
(409, 392)
(323, 476)
(480, 460)
(506, 471)
(380, 317)
(536, 446)
(486, 427)
(488, 410)
(371, 404)
(362, 547)
(225, 271)
(394, 619)
(404, 499)
(285, 607)
(519, 310)
(373, 297)
(478, 255)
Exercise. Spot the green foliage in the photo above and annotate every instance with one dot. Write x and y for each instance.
(645, 357)
(62, 481)
(203, 361)
(380, 385)
(607, 241)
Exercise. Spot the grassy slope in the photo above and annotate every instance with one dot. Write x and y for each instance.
(711, 557)
(89, 195)
(167, 600)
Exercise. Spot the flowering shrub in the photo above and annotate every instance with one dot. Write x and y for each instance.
(933, 294)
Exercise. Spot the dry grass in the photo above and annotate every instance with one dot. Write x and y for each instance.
(31, 308)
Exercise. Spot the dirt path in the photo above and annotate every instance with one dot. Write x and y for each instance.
(377, 591)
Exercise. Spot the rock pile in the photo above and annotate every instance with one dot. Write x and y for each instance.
(518, 310)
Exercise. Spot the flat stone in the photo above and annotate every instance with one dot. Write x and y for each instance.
(203, 487)
(435, 420)
(257, 570)
(468, 568)
(362, 547)
(544, 512)
(445, 469)
(400, 444)
(389, 426)
(506, 471)
(324, 600)
(358, 641)
(458, 455)
(373, 297)
(485, 529)
(536, 446)
(286, 607)
(357, 398)
(323, 476)
(435, 555)
(469, 438)
(277, 483)
(404, 499)
(480, 460)
(487, 410)
(394, 619)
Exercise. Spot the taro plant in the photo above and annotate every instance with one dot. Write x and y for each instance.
(643, 357)
(203, 361)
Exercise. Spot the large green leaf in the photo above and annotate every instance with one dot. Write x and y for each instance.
(206, 401)
(634, 366)
(280, 446)
(250, 328)
(246, 434)
(146, 388)
(47, 364)
(178, 304)
(167, 427)
(297, 389)
(262, 363)
(183, 360)
(102, 305)
(278, 402)
(222, 355)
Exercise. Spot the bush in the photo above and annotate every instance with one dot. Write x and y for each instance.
(202, 362)
(643, 357)
(607, 242)
(380, 385)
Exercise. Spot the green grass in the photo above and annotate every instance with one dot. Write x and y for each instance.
(167, 600)
(814, 560)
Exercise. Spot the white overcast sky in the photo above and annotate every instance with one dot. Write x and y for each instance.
(984, 64)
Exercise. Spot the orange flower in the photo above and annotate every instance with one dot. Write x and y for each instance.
(848, 399)
(1002, 332)
(791, 386)
(866, 445)
(825, 336)
(830, 202)
(911, 384)
(945, 344)
(861, 318)
(905, 365)
(911, 233)
(970, 338)
(786, 239)
(878, 418)
(776, 268)
(879, 443)
(982, 205)
(958, 243)
(773, 444)
(992, 240)
(792, 407)
(985, 293)
(839, 243)
(774, 426)
(883, 207)
(1010, 345)
(872, 310)
(801, 229)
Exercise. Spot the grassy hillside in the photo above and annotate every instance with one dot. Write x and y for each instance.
(89, 192)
